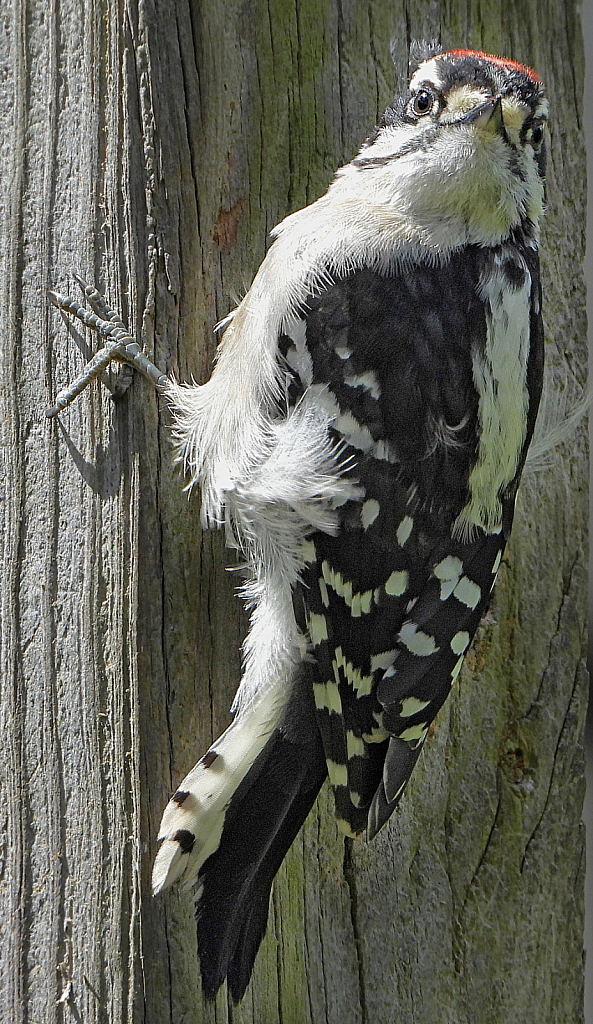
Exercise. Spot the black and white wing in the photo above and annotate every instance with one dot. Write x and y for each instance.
(392, 601)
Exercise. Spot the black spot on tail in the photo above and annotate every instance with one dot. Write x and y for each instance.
(185, 839)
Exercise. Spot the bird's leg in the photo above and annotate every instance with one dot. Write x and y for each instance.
(120, 345)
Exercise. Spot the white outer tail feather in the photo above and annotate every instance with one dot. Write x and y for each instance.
(209, 791)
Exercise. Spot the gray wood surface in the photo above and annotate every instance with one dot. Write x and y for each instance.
(152, 147)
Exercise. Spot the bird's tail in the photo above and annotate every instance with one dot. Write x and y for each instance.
(251, 827)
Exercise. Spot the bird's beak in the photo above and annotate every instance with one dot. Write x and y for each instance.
(486, 115)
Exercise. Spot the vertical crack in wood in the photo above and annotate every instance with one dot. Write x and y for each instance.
(567, 725)
(350, 878)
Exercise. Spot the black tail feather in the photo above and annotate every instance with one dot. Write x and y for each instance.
(261, 822)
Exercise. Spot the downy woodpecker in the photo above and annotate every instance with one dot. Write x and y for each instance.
(362, 439)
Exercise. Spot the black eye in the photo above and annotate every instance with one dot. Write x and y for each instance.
(423, 102)
(537, 136)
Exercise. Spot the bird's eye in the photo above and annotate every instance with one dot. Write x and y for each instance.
(537, 136)
(423, 102)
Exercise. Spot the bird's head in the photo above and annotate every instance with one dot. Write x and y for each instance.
(462, 151)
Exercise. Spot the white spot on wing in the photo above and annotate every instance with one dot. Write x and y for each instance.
(382, 660)
(359, 682)
(404, 530)
(448, 572)
(377, 735)
(411, 706)
(397, 583)
(383, 450)
(338, 775)
(414, 732)
(353, 432)
(416, 641)
(460, 642)
(354, 745)
(327, 696)
(317, 628)
(450, 568)
(369, 512)
(367, 381)
(359, 603)
(467, 592)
